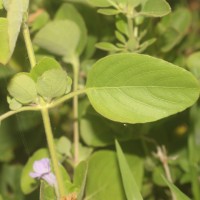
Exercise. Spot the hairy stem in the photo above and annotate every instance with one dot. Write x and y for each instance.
(75, 64)
(29, 45)
(162, 155)
(52, 150)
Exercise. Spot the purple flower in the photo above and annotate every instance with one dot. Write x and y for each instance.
(42, 170)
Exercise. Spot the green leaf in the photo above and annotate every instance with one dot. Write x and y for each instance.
(4, 44)
(107, 46)
(40, 21)
(15, 10)
(80, 177)
(22, 87)
(6, 72)
(60, 37)
(179, 195)
(14, 105)
(10, 177)
(46, 191)
(69, 12)
(193, 63)
(108, 11)
(104, 181)
(100, 3)
(120, 37)
(173, 31)
(53, 83)
(134, 88)
(155, 8)
(104, 178)
(44, 65)
(130, 187)
(29, 184)
(63, 146)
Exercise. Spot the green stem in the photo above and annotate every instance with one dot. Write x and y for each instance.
(52, 149)
(10, 113)
(38, 108)
(66, 97)
(29, 45)
(130, 27)
(75, 64)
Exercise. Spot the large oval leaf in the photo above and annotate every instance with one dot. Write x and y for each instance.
(135, 88)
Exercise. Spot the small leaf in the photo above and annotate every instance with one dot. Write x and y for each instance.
(156, 8)
(44, 65)
(179, 195)
(60, 37)
(146, 44)
(4, 41)
(130, 187)
(193, 63)
(40, 21)
(14, 105)
(63, 146)
(53, 83)
(120, 37)
(135, 88)
(108, 11)
(107, 46)
(22, 87)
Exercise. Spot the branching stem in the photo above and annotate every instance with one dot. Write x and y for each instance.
(162, 155)
(38, 108)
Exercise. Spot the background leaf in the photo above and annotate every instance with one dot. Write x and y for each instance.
(193, 63)
(60, 37)
(69, 12)
(104, 178)
(156, 8)
(175, 190)
(15, 14)
(4, 38)
(135, 88)
(130, 187)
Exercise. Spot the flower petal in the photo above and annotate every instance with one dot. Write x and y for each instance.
(34, 175)
(50, 179)
(42, 166)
